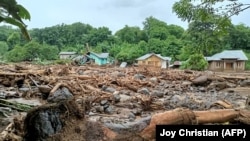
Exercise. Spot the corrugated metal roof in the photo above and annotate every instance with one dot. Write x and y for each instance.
(67, 53)
(123, 64)
(150, 54)
(101, 55)
(228, 54)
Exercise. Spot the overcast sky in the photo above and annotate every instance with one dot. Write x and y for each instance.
(114, 14)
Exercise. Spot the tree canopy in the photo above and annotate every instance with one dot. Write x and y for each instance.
(13, 13)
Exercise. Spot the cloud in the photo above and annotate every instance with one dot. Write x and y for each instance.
(114, 14)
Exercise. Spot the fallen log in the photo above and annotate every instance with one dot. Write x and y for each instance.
(83, 77)
(232, 77)
(13, 74)
(186, 116)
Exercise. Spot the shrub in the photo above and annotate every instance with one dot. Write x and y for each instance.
(195, 62)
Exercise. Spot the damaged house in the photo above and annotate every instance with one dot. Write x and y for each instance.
(154, 60)
(227, 60)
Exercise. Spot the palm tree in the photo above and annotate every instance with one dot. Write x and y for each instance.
(13, 13)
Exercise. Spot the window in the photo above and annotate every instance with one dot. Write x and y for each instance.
(150, 62)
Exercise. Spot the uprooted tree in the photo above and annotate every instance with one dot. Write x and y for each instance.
(13, 13)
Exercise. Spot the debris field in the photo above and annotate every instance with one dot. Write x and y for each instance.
(90, 103)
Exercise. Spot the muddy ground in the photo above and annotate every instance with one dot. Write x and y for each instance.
(107, 103)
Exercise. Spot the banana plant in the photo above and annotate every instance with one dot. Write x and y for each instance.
(13, 13)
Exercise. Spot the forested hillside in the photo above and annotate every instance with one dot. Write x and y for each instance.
(126, 44)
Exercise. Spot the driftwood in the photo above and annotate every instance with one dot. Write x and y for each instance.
(7, 134)
(232, 77)
(185, 116)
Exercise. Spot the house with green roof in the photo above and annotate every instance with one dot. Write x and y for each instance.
(227, 60)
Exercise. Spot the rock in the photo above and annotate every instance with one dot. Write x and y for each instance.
(105, 106)
(202, 89)
(117, 98)
(143, 91)
(218, 85)
(157, 93)
(47, 120)
(139, 76)
(99, 109)
(24, 89)
(104, 102)
(124, 97)
(135, 126)
(109, 110)
(109, 90)
(154, 79)
(131, 115)
(245, 83)
(201, 80)
(44, 124)
(60, 95)
(137, 111)
(186, 83)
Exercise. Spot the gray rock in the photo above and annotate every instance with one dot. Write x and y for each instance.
(104, 102)
(110, 90)
(131, 115)
(245, 83)
(202, 89)
(45, 123)
(157, 93)
(124, 97)
(109, 110)
(60, 95)
(139, 76)
(117, 98)
(137, 111)
(105, 106)
(218, 85)
(143, 91)
(201, 80)
(135, 126)
(99, 109)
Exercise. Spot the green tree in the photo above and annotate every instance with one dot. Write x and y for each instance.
(17, 54)
(172, 48)
(175, 30)
(132, 35)
(5, 32)
(238, 37)
(155, 28)
(192, 10)
(156, 45)
(48, 52)
(13, 13)
(13, 40)
(3, 48)
(129, 53)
